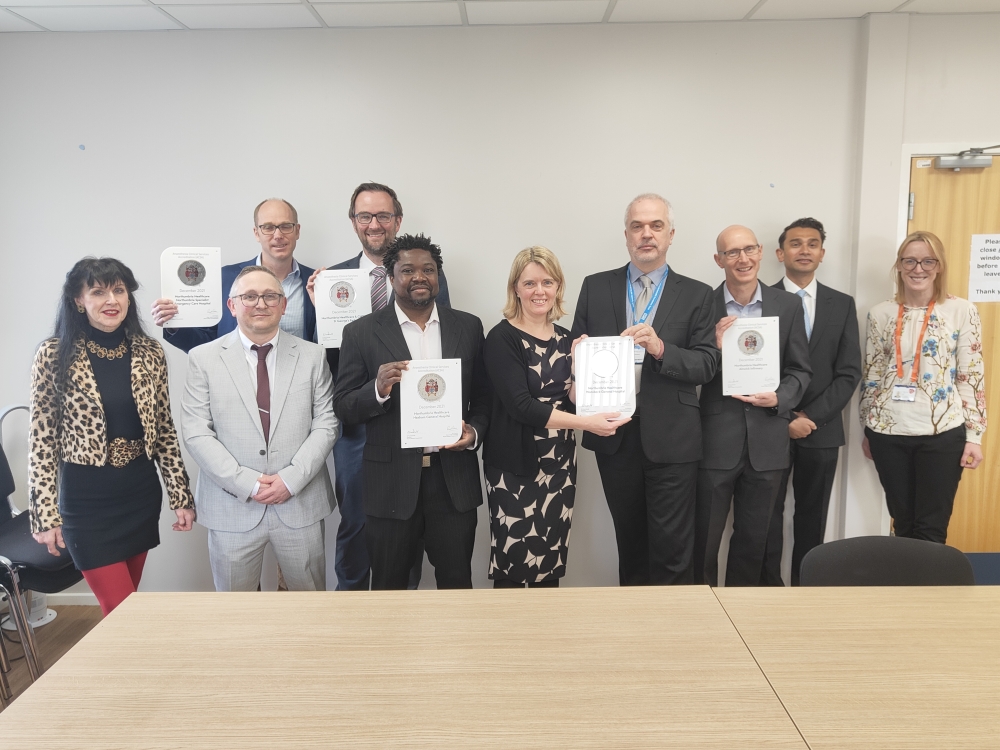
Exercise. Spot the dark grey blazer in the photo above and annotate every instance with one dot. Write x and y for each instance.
(726, 421)
(391, 473)
(670, 426)
(835, 357)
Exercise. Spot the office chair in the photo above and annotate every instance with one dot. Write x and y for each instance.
(885, 561)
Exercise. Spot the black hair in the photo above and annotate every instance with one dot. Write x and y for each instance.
(806, 223)
(410, 242)
(375, 187)
(71, 324)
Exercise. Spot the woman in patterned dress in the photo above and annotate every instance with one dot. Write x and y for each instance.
(530, 451)
(923, 391)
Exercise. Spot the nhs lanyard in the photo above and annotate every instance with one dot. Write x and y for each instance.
(652, 301)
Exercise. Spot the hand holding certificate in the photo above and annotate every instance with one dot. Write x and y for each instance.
(192, 278)
(605, 375)
(342, 296)
(751, 359)
(430, 402)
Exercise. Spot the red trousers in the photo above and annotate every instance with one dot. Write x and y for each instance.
(113, 583)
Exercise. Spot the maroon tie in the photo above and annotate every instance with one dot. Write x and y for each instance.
(263, 388)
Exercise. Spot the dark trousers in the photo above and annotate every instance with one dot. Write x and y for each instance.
(506, 583)
(920, 476)
(448, 536)
(752, 495)
(812, 470)
(652, 506)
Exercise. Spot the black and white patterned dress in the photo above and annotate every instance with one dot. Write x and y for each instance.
(530, 516)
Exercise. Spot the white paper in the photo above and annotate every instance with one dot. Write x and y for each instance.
(430, 403)
(605, 375)
(342, 296)
(192, 278)
(751, 357)
(984, 268)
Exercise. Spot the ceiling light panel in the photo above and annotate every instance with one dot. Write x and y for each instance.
(244, 16)
(125, 18)
(535, 11)
(390, 14)
(637, 11)
(953, 6)
(795, 9)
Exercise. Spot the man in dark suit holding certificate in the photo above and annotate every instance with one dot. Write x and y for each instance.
(414, 494)
(817, 425)
(649, 467)
(746, 437)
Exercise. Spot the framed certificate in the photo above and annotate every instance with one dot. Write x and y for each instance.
(430, 403)
(605, 375)
(751, 359)
(192, 278)
(342, 295)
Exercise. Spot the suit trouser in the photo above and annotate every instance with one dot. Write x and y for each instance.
(920, 476)
(237, 556)
(447, 534)
(812, 470)
(752, 495)
(652, 506)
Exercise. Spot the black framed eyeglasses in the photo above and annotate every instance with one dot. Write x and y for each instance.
(928, 264)
(751, 251)
(268, 229)
(271, 299)
(383, 217)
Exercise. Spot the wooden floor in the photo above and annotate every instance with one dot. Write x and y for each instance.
(53, 640)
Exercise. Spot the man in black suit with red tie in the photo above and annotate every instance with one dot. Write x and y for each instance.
(649, 467)
(817, 427)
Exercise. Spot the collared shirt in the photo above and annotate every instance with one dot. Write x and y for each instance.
(367, 264)
(752, 309)
(809, 299)
(294, 319)
(633, 278)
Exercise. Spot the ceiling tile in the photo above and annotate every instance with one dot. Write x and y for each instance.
(535, 11)
(953, 6)
(126, 18)
(212, 2)
(62, 3)
(390, 14)
(244, 16)
(632, 11)
(10, 22)
(775, 9)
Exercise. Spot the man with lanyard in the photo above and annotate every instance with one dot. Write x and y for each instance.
(376, 215)
(649, 467)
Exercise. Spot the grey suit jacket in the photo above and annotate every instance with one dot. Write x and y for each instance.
(223, 433)
(727, 422)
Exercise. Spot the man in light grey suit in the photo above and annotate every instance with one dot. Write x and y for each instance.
(258, 418)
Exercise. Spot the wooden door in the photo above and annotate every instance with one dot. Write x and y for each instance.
(954, 206)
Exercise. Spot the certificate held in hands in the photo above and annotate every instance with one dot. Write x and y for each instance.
(342, 296)
(751, 360)
(605, 376)
(430, 403)
(192, 278)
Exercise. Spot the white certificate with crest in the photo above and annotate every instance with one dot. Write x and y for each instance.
(605, 375)
(342, 296)
(751, 357)
(192, 278)
(430, 403)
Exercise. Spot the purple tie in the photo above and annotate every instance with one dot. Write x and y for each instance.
(379, 294)
(263, 388)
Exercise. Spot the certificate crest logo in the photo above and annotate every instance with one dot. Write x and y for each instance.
(431, 387)
(751, 342)
(191, 272)
(342, 294)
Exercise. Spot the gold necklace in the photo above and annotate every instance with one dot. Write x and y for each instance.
(117, 353)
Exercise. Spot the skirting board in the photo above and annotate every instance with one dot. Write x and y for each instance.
(60, 600)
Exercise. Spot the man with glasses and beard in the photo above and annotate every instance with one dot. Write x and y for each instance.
(376, 215)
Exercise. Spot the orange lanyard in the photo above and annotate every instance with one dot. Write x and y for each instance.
(920, 340)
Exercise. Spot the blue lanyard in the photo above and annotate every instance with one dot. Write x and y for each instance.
(652, 302)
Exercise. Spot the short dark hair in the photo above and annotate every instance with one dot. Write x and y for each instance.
(410, 242)
(375, 187)
(253, 269)
(806, 223)
(295, 214)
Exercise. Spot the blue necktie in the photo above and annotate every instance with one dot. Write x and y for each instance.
(805, 312)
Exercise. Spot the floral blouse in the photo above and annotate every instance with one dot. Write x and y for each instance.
(951, 382)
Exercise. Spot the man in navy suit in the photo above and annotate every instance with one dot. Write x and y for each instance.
(376, 215)
(817, 427)
(276, 228)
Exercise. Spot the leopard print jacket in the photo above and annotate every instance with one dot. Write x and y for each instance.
(69, 426)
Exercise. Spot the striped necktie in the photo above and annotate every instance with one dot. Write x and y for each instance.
(380, 294)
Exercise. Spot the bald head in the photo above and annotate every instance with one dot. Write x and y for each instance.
(733, 237)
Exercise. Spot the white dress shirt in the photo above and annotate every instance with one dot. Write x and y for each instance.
(809, 299)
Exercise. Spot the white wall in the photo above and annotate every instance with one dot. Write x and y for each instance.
(495, 138)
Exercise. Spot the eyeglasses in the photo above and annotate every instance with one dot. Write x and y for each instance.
(268, 229)
(271, 299)
(928, 264)
(752, 251)
(366, 218)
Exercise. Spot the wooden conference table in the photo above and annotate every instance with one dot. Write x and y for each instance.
(681, 667)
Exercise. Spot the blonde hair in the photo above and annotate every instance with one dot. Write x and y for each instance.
(547, 260)
(936, 247)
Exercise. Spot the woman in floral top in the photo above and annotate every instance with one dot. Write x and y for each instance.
(923, 416)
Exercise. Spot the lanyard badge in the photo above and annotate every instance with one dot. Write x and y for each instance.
(908, 391)
(638, 353)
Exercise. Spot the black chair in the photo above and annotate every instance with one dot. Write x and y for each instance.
(885, 561)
